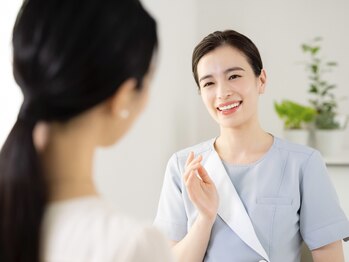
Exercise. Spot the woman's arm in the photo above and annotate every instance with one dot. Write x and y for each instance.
(193, 246)
(202, 192)
(332, 252)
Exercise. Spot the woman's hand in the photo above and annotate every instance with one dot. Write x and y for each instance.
(203, 194)
(201, 189)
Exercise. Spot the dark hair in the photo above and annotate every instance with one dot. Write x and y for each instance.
(233, 39)
(68, 56)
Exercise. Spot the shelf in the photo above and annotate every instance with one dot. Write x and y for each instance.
(340, 160)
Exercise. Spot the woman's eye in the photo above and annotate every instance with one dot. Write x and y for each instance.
(233, 77)
(207, 84)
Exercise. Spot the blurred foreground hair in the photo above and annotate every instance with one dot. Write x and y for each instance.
(68, 56)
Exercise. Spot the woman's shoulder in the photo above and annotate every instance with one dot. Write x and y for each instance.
(92, 226)
(296, 154)
(91, 210)
(292, 148)
(97, 215)
(198, 149)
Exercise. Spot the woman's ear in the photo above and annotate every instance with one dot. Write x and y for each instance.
(40, 135)
(262, 80)
(121, 102)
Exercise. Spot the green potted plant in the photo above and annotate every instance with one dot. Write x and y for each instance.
(328, 130)
(295, 117)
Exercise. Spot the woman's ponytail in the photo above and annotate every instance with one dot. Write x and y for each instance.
(23, 196)
(68, 56)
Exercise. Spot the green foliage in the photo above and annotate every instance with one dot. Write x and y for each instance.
(323, 99)
(293, 114)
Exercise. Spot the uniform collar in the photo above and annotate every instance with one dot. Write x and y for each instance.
(231, 208)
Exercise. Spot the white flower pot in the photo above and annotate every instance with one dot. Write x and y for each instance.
(299, 136)
(329, 142)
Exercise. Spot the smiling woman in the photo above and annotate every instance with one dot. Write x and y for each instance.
(228, 85)
(246, 195)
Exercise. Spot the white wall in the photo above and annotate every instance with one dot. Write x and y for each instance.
(131, 173)
(10, 96)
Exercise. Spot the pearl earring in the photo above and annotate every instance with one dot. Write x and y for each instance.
(124, 113)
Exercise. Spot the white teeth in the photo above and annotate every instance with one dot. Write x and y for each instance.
(229, 106)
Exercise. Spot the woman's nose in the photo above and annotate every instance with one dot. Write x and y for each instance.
(224, 91)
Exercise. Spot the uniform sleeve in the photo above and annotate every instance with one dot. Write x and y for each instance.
(322, 221)
(171, 217)
(148, 246)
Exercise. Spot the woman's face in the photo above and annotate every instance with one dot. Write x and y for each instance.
(229, 87)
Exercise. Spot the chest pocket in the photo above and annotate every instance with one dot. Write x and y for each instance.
(275, 201)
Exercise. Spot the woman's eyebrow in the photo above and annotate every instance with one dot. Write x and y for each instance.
(231, 69)
(236, 68)
(204, 77)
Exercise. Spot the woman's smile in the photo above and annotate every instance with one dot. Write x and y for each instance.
(229, 107)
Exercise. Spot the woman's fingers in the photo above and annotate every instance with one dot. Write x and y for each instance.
(192, 164)
(191, 161)
(189, 158)
(193, 186)
(202, 191)
(204, 175)
(192, 169)
(199, 172)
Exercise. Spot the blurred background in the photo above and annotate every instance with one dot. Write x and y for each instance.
(130, 173)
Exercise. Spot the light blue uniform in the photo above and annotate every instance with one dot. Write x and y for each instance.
(286, 196)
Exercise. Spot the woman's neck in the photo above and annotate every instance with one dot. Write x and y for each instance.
(67, 164)
(243, 145)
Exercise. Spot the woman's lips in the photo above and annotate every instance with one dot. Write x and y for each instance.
(229, 108)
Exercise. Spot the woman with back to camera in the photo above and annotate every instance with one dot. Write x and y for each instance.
(84, 69)
(246, 195)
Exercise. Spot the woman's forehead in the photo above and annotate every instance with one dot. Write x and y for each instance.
(220, 60)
